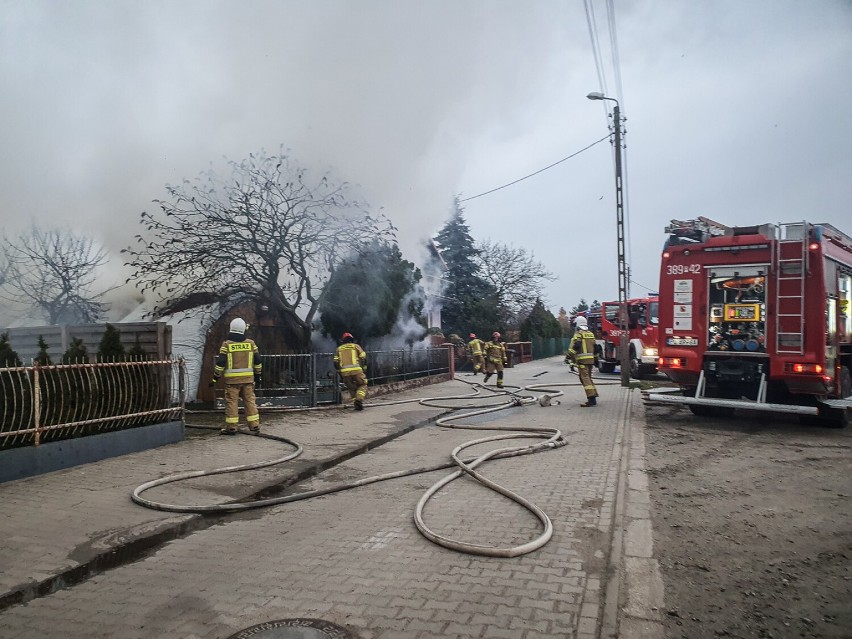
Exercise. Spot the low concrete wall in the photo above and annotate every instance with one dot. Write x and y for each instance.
(396, 387)
(18, 463)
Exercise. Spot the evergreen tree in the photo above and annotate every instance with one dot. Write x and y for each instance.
(111, 349)
(76, 353)
(42, 358)
(137, 352)
(8, 357)
(581, 307)
(370, 292)
(564, 321)
(471, 303)
(540, 323)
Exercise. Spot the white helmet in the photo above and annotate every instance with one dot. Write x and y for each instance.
(238, 326)
(581, 322)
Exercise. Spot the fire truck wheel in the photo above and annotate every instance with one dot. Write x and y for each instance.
(636, 369)
(606, 367)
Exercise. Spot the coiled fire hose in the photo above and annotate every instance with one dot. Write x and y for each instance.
(552, 439)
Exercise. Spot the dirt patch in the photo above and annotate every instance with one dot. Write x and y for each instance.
(752, 525)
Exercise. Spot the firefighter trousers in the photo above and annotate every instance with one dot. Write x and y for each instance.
(492, 367)
(356, 384)
(585, 372)
(233, 392)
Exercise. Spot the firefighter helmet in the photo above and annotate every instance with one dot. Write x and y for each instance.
(495, 335)
(347, 337)
(238, 326)
(581, 322)
(473, 336)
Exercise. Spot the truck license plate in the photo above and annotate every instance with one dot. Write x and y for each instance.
(682, 341)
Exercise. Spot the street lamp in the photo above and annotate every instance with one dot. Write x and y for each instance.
(623, 347)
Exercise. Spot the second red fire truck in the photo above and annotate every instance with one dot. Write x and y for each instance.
(757, 317)
(642, 322)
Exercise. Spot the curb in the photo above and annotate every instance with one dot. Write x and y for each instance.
(634, 592)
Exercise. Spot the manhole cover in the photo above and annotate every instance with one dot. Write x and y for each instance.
(294, 629)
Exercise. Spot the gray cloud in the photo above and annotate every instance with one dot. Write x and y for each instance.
(738, 111)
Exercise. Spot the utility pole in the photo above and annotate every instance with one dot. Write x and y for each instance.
(624, 348)
(624, 344)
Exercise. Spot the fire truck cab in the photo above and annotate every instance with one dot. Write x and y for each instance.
(757, 317)
(642, 323)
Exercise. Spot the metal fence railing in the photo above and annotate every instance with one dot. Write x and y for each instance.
(53, 402)
(311, 379)
(387, 367)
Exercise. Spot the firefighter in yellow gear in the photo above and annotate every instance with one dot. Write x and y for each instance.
(350, 360)
(581, 353)
(475, 347)
(496, 358)
(238, 363)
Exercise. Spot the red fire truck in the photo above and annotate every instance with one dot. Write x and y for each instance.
(642, 322)
(757, 317)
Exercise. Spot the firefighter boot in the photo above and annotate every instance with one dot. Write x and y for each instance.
(590, 401)
(487, 375)
(228, 431)
(359, 405)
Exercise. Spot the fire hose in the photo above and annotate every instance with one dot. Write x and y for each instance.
(552, 439)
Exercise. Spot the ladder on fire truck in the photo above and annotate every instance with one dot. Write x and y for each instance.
(792, 268)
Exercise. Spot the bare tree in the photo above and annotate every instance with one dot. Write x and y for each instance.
(273, 233)
(516, 275)
(54, 271)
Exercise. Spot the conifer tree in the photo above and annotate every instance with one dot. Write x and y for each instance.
(137, 352)
(111, 349)
(370, 292)
(564, 321)
(76, 353)
(540, 323)
(8, 357)
(42, 358)
(470, 302)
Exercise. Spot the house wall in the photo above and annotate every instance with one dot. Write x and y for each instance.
(264, 329)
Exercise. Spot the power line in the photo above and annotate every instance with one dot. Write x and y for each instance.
(613, 39)
(593, 36)
(550, 166)
(647, 288)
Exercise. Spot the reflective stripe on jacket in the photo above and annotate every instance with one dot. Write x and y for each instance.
(350, 358)
(582, 349)
(238, 362)
(495, 352)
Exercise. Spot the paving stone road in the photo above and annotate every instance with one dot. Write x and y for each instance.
(80, 559)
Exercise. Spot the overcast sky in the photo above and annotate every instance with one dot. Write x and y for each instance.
(739, 110)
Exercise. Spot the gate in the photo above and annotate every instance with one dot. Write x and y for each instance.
(307, 379)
